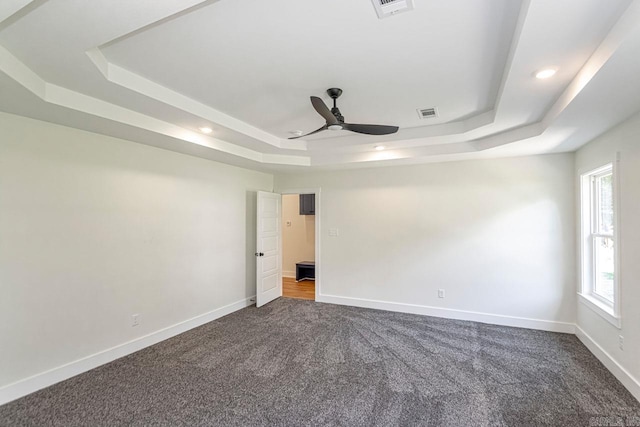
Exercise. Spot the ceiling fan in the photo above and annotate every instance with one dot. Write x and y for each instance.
(335, 120)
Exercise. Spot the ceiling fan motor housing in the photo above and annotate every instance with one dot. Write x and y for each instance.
(335, 93)
(336, 112)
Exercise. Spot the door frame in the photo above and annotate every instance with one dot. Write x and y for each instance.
(317, 236)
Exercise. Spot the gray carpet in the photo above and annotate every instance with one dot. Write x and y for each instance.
(296, 363)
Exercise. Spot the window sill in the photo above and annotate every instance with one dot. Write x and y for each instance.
(600, 309)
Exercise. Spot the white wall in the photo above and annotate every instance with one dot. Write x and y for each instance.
(624, 139)
(298, 235)
(94, 229)
(497, 235)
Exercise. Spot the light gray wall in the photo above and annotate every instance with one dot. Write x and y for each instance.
(624, 139)
(497, 235)
(94, 229)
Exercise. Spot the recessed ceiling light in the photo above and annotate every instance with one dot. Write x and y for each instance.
(546, 73)
(296, 132)
(206, 130)
(379, 147)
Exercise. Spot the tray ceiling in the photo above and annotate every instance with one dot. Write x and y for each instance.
(156, 71)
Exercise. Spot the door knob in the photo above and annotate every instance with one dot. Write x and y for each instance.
(259, 253)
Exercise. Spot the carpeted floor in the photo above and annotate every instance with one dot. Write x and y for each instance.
(297, 363)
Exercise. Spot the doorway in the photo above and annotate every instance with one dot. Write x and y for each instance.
(299, 246)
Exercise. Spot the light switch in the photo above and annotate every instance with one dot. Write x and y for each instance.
(333, 232)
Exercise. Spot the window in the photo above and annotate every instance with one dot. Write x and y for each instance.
(599, 283)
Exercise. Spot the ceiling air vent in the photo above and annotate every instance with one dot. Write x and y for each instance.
(386, 8)
(427, 113)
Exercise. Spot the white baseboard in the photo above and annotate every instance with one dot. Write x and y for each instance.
(39, 381)
(289, 274)
(627, 380)
(45, 379)
(494, 319)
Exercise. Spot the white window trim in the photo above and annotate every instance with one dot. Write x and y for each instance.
(606, 310)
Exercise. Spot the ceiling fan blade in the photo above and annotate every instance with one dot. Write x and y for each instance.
(310, 133)
(323, 110)
(370, 129)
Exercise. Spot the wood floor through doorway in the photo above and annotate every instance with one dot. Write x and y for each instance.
(305, 289)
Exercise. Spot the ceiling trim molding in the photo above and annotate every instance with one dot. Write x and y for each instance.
(460, 147)
(515, 41)
(628, 23)
(22, 74)
(12, 12)
(64, 97)
(132, 81)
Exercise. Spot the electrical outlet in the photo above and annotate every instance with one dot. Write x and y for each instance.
(621, 342)
(135, 319)
(440, 293)
(334, 232)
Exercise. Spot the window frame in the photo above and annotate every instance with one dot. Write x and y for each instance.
(590, 231)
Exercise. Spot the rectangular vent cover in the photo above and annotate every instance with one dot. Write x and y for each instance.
(386, 8)
(427, 113)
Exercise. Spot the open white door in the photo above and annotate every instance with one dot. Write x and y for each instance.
(269, 248)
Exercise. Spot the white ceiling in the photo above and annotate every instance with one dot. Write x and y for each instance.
(154, 71)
